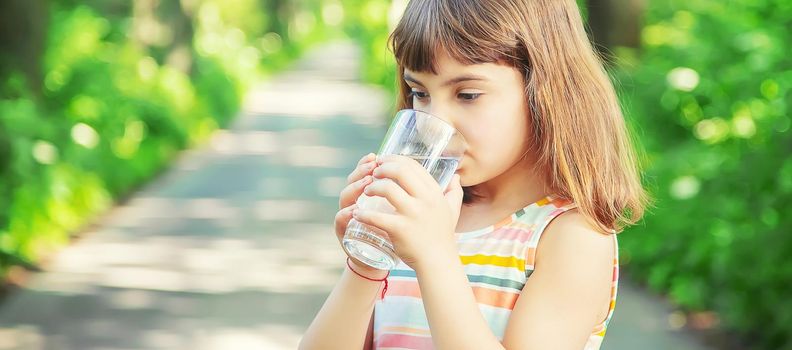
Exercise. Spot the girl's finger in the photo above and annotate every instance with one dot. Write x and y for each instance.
(360, 171)
(406, 172)
(351, 192)
(367, 158)
(395, 195)
(389, 223)
(342, 219)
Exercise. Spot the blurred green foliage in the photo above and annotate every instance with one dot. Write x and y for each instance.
(368, 23)
(710, 96)
(109, 117)
(125, 85)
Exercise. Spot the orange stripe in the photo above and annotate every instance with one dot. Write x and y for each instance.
(407, 330)
(560, 202)
(530, 256)
(495, 298)
(503, 222)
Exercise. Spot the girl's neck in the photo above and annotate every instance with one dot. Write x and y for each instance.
(516, 188)
(501, 196)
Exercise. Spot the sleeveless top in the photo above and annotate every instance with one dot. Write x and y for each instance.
(498, 260)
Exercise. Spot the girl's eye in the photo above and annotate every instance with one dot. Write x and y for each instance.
(468, 96)
(418, 94)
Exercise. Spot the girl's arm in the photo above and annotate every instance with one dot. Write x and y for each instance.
(451, 309)
(557, 309)
(345, 320)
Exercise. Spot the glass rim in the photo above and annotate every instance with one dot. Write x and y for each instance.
(456, 131)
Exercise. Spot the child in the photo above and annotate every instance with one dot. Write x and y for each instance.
(491, 263)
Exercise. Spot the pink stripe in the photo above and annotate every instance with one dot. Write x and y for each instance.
(404, 341)
(554, 213)
(510, 233)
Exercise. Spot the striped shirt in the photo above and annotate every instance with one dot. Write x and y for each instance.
(498, 260)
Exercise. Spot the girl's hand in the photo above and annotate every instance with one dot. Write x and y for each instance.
(425, 218)
(356, 181)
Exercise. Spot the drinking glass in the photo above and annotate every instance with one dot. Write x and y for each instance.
(430, 141)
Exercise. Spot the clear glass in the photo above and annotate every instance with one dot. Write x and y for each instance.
(433, 143)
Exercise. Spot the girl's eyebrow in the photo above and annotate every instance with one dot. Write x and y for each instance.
(452, 81)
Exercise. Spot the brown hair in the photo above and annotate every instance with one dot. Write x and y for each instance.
(580, 138)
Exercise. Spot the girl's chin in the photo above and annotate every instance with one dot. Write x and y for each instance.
(463, 180)
(468, 180)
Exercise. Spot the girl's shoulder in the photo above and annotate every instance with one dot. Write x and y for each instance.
(571, 239)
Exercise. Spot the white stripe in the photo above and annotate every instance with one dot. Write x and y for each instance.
(501, 272)
(531, 216)
(499, 247)
(496, 288)
(402, 278)
(497, 318)
(400, 311)
(522, 225)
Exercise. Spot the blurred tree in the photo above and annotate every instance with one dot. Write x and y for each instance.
(616, 22)
(23, 51)
(165, 30)
(178, 16)
(280, 12)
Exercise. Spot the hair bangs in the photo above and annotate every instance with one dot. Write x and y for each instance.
(462, 29)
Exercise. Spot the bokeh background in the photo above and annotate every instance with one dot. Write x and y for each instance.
(204, 142)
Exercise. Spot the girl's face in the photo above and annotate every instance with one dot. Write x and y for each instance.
(486, 103)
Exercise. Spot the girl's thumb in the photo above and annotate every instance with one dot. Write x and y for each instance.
(454, 193)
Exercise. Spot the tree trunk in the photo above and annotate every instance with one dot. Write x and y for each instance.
(616, 22)
(179, 19)
(165, 29)
(23, 34)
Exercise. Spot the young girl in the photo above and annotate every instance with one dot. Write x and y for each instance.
(520, 251)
